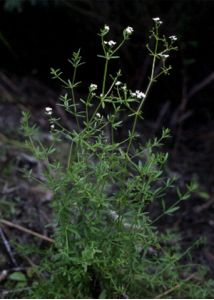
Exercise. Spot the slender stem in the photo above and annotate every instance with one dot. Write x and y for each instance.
(103, 88)
(107, 58)
(104, 76)
(87, 105)
(67, 241)
(112, 135)
(95, 111)
(146, 93)
(111, 86)
(118, 47)
(73, 97)
(70, 155)
(165, 212)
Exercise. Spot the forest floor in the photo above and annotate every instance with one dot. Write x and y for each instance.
(25, 209)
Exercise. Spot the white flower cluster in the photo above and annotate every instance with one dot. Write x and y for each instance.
(157, 20)
(138, 94)
(129, 30)
(110, 43)
(92, 87)
(173, 37)
(49, 110)
(118, 83)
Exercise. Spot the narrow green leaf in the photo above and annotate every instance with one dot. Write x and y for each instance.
(171, 210)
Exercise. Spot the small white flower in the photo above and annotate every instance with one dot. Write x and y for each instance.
(124, 87)
(118, 83)
(157, 20)
(141, 95)
(49, 110)
(92, 87)
(173, 37)
(129, 30)
(111, 43)
(106, 27)
(138, 94)
(52, 126)
(164, 55)
(98, 115)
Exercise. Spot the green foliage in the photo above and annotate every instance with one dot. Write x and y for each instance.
(106, 244)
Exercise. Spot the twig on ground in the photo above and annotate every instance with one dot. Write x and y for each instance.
(178, 117)
(204, 206)
(199, 86)
(19, 227)
(7, 248)
(177, 286)
(161, 116)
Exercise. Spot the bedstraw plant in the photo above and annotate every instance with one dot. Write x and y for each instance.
(106, 244)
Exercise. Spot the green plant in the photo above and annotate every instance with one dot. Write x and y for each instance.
(106, 244)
